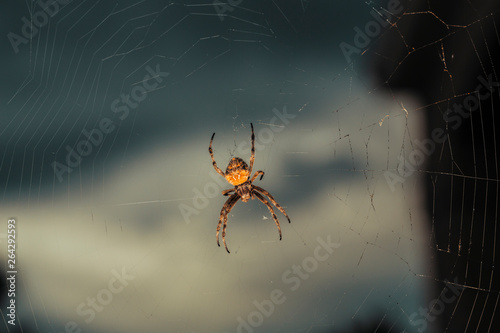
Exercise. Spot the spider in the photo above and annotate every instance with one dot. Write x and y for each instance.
(238, 174)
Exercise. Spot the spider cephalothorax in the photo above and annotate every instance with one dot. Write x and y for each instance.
(238, 174)
(245, 191)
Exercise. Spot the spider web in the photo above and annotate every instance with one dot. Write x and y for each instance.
(375, 126)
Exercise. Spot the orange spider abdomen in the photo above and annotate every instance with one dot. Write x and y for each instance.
(237, 171)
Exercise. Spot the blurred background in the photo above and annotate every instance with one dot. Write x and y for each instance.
(375, 125)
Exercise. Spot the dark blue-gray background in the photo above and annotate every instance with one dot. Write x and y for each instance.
(88, 54)
(333, 132)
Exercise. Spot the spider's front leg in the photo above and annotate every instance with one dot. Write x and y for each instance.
(227, 192)
(281, 209)
(228, 205)
(271, 210)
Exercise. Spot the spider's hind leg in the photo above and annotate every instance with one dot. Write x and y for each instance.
(219, 171)
(252, 151)
(257, 174)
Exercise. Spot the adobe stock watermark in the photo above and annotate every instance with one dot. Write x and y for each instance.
(436, 306)
(292, 278)
(454, 117)
(213, 189)
(100, 301)
(372, 29)
(121, 107)
(39, 19)
(222, 7)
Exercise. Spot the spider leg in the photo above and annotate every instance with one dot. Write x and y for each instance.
(257, 174)
(227, 192)
(252, 156)
(264, 201)
(224, 232)
(261, 190)
(228, 205)
(223, 212)
(219, 171)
